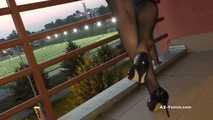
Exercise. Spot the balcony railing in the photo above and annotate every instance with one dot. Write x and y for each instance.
(36, 69)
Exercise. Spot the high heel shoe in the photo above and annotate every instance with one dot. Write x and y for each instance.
(138, 71)
(159, 99)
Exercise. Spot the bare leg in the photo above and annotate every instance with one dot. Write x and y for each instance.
(123, 10)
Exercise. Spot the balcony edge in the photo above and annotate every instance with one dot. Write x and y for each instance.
(106, 99)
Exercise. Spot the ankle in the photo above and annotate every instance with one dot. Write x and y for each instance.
(141, 50)
(141, 57)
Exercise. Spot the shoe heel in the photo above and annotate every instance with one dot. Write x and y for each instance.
(140, 79)
(167, 110)
(157, 107)
(165, 104)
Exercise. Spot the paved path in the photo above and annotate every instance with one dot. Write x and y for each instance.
(189, 82)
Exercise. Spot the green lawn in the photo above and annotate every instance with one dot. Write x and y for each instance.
(46, 53)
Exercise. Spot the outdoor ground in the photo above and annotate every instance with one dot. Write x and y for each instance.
(189, 82)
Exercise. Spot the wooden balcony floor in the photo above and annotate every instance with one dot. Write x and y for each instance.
(189, 83)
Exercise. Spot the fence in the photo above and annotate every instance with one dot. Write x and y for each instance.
(36, 69)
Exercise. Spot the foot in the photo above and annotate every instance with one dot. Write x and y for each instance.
(158, 62)
(138, 71)
(158, 98)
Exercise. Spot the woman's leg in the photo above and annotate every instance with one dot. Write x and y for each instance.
(146, 17)
(129, 31)
(124, 11)
(153, 52)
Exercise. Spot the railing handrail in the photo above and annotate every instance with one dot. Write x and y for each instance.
(16, 9)
(41, 35)
(18, 108)
(69, 55)
(33, 6)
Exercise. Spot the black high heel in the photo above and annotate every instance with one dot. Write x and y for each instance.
(140, 68)
(159, 97)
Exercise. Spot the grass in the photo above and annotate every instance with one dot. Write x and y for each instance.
(7, 67)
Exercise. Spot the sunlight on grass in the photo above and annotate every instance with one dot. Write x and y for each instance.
(47, 53)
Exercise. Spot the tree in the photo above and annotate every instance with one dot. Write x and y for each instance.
(103, 10)
(104, 54)
(71, 65)
(12, 35)
(75, 67)
(59, 22)
(2, 39)
(49, 25)
(87, 88)
(78, 12)
(22, 88)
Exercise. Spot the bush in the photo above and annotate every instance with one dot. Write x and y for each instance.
(22, 88)
(71, 65)
(86, 89)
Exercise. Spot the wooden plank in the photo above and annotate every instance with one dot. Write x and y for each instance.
(28, 50)
(43, 4)
(160, 19)
(161, 37)
(9, 44)
(22, 73)
(4, 11)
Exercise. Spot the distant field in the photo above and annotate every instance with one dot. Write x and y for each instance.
(46, 53)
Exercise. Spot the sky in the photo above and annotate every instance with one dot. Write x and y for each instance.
(35, 20)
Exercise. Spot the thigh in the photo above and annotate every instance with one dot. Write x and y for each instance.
(124, 11)
(147, 14)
